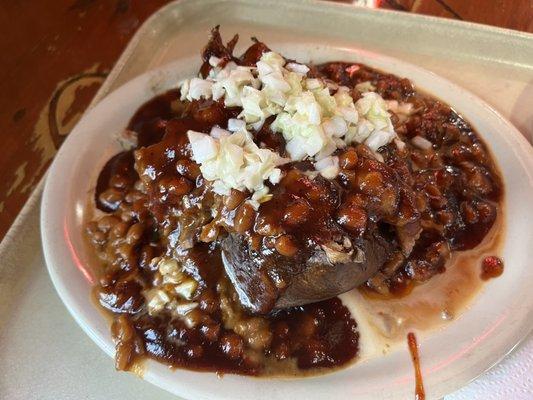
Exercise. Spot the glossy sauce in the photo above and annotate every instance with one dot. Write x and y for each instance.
(158, 205)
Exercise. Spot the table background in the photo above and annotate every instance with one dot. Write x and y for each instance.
(56, 54)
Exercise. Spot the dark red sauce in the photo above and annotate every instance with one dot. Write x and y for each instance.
(491, 267)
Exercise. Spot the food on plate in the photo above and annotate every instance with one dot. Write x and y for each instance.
(248, 197)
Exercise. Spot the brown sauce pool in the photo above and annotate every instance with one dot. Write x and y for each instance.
(428, 306)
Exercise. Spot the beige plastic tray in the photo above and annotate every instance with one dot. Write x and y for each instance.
(43, 352)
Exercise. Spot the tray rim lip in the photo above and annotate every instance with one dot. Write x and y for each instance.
(104, 89)
(519, 139)
(440, 21)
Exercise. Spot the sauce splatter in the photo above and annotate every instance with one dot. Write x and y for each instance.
(420, 394)
(491, 267)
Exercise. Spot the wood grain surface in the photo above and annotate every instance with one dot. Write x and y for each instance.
(55, 55)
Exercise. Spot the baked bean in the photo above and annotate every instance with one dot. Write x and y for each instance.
(122, 329)
(208, 301)
(266, 226)
(139, 186)
(111, 198)
(177, 186)
(306, 326)
(235, 198)
(139, 210)
(194, 351)
(348, 178)
(291, 177)
(135, 233)
(119, 181)
(255, 241)
(211, 332)
(316, 191)
(210, 115)
(232, 345)
(352, 218)
(371, 183)
(451, 133)
(92, 227)
(126, 212)
(133, 196)
(297, 212)
(458, 152)
(281, 330)
(421, 202)
(119, 230)
(485, 211)
(479, 182)
(491, 267)
(286, 246)
(244, 218)
(98, 238)
(433, 190)
(445, 217)
(209, 232)
(438, 203)
(107, 222)
(145, 257)
(479, 153)
(419, 158)
(364, 151)
(123, 356)
(469, 213)
(281, 351)
(348, 159)
(188, 169)
(388, 203)
(256, 331)
(313, 353)
(125, 251)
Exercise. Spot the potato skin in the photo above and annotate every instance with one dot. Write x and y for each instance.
(266, 282)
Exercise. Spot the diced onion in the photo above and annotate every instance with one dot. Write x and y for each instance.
(235, 125)
(298, 68)
(203, 146)
(214, 61)
(328, 167)
(217, 132)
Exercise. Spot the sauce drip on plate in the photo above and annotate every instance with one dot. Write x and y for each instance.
(420, 394)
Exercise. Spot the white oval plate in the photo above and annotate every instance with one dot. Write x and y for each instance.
(500, 316)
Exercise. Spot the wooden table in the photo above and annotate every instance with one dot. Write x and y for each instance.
(56, 54)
